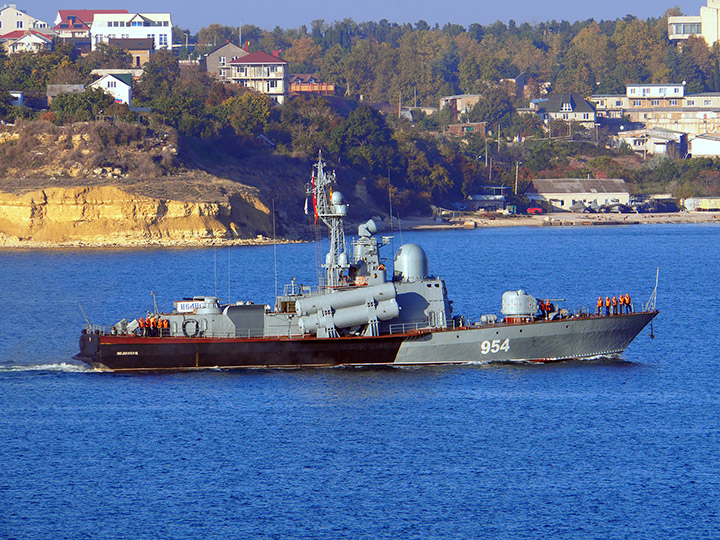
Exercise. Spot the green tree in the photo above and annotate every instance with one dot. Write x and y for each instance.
(106, 56)
(160, 75)
(494, 105)
(248, 113)
(365, 139)
(81, 107)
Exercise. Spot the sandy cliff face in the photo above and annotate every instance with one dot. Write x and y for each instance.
(108, 215)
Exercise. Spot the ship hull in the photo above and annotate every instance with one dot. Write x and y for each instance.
(536, 341)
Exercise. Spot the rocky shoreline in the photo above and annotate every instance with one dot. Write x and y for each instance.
(463, 223)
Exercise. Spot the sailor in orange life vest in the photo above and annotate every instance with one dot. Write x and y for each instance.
(141, 326)
(614, 304)
(599, 305)
(607, 306)
(628, 304)
(621, 304)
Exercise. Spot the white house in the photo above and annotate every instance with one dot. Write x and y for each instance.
(119, 86)
(20, 41)
(562, 193)
(157, 26)
(12, 18)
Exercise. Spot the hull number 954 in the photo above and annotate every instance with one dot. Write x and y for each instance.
(494, 346)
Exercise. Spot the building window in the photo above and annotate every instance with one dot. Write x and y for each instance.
(637, 103)
(707, 102)
(691, 102)
(586, 116)
(163, 39)
(565, 116)
(566, 107)
(618, 103)
(655, 102)
(111, 84)
(673, 102)
(19, 24)
(273, 84)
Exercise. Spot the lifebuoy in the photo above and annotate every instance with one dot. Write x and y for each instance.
(360, 280)
(197, 328)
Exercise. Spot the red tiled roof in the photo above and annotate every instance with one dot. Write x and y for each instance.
(85, 16)
(17, 34)
(258, 57)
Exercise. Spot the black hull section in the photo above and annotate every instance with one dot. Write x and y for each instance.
(119, 353)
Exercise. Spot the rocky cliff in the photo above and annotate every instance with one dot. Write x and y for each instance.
(119, 184)
(111, 216)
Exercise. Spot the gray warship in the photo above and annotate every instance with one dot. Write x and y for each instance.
(360, 314)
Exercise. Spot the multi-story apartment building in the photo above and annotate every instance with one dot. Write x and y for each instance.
(706, 25)
(263, 72)
(663, 106)
(12, 18)
(157, 26)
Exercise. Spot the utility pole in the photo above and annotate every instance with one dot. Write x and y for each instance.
(498, 138)
(517, 171)
(486, 151)
(390, 200)
(490, 177)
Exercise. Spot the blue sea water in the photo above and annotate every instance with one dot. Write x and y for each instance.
(628, 448)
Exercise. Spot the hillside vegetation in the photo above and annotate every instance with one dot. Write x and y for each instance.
(208, 141)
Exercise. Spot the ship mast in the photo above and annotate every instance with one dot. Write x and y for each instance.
(330, 208)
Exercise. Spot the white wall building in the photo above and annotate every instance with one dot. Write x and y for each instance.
(705, 145)
(12, 18)
(706, 25)
(562, 193)
(118, 86)
(157, 26)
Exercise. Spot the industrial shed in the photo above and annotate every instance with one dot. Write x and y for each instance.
(562, 193)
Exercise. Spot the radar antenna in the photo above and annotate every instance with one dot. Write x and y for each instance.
(330, 208)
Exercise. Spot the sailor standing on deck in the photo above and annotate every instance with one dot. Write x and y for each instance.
(607, 306)
(628, 304)
(599, 305)
(614, 304)
(621, 303)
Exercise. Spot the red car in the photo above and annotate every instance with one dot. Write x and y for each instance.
(534, 210)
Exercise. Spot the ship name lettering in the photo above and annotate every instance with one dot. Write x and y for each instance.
(126, 353)
(494, 346)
